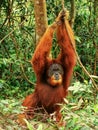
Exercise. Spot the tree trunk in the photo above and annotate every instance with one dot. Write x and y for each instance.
(40, 18)
(72, 12)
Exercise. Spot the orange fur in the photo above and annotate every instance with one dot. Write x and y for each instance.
(45, 94)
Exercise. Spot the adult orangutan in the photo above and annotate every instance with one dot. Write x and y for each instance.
(53, 75)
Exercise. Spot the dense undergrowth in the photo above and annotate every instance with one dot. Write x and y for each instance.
(80, 112)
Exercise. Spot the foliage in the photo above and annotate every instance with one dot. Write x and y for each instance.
(86, 30)
(80, 113)
(17, 48)
(17, 44)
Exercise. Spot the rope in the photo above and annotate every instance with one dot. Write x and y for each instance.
(70, 34)
(63, 4)
(73, 45)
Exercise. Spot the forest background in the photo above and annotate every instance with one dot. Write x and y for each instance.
(19, 35)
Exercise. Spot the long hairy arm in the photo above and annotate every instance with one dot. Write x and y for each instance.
(42, 51)
(67, 56)
(39, 59)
